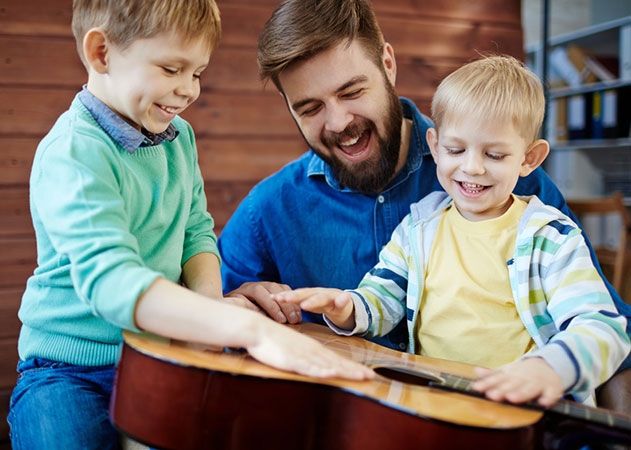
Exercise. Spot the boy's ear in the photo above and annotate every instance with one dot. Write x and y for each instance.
(432, 140)
(95, 47)
(535, 155)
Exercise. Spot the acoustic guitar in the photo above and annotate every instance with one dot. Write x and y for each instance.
(170, 395)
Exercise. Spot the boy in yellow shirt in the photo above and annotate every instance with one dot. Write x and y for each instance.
(483, 276)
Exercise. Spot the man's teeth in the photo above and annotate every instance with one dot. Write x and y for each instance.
(350, 142)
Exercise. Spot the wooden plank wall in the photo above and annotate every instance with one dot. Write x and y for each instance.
(244, 131)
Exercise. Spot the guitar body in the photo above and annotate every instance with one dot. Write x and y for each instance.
(168, 395)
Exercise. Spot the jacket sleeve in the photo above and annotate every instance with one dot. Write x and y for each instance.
(539, 183)
(590, 340)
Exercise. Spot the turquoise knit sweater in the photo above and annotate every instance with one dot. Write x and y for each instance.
(108, 223)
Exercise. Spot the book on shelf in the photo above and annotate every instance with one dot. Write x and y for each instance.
(596, 114)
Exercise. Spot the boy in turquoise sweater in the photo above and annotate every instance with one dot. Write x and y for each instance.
(483, 276)
(124, 240)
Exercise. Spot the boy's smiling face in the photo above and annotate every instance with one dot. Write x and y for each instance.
(154, 79)
(479, 162)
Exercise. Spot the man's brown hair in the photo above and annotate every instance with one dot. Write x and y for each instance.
(124, 21)
(299, 29)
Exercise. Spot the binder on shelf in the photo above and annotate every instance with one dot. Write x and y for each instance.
(557, 120)
(579, 116)
(610, 114)
(597, 131)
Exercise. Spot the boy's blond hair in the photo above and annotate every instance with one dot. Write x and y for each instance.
(125, 21)
(492, 88)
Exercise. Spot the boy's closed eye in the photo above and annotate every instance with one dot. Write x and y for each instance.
(454, 150)
(170, 70)
(496, 156)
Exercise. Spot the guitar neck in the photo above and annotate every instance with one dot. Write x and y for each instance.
(564, 407)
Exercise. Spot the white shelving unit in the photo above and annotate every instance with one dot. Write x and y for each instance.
(590, 167)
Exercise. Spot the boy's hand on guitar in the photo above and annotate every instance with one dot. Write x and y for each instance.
(528, 379)
(260, 293)
(335, 304)
(285, 349)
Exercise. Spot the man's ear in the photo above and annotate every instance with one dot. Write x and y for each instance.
(389, 63)
(535, 155)
(95, 48)
(432, 140)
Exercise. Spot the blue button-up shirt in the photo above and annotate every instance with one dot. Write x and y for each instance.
(301, 228)
(121, 132)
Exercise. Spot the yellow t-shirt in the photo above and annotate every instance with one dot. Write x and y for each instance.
(467, 312)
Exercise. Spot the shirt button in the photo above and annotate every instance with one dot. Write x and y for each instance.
(380, 199)
(402, 346)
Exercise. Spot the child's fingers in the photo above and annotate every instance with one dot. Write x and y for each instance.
(329, 364)
(342, 300)
(488, 379)
(549, 397)
(524, 392)
(296, 296)
(322, 302)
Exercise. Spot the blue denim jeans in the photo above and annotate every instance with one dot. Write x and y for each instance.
(61, 406)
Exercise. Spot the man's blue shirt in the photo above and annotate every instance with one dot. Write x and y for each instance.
(301, 228)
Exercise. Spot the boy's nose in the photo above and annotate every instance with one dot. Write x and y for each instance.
(473, 164)
(187, 88)
(337, 118)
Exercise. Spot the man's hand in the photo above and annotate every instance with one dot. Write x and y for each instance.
(336, 304)
(524, 380)
(260, 293)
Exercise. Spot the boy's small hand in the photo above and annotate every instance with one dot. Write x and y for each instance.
(529, 379)
(260, 294)
(336, 304)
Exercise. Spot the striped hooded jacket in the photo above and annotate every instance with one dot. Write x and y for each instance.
(559, 295)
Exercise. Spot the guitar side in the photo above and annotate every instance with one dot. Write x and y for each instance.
(173, 396)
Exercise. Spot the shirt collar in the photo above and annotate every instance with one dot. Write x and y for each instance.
(417, 150)
(120, 131)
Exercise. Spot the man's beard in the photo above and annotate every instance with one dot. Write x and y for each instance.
(372, 175)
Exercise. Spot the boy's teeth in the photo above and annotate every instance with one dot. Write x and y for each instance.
(350, 142)
(472, 185)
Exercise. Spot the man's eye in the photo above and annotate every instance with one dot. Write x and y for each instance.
(353, 94)
(310, 111)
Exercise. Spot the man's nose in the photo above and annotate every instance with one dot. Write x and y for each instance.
(337, 118)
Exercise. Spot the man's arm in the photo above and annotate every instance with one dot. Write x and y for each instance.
(248, 271)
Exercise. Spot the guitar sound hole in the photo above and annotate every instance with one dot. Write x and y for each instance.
(407, 376)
